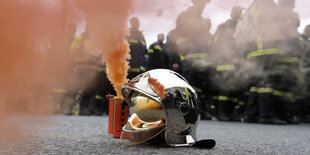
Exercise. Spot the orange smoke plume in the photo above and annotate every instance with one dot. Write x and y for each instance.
(26, 26)
(107, 28)
(157, 87)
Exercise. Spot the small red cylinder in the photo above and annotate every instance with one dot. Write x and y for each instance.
(111, 110)
(118, 116)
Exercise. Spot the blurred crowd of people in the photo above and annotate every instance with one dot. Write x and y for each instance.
(255, 68)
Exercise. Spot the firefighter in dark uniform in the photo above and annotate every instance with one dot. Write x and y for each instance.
(103, 87)
(227, 101)
(192, 42)
(86, 73)
(92, 83)
(174, 61)
(61, 67)
(157, 55)
(284, 77)
(262, 49)
(305, 48)
(138, 50)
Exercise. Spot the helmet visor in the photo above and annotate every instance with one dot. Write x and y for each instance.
(147, 120)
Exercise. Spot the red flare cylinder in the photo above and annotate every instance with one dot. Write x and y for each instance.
(118, 115)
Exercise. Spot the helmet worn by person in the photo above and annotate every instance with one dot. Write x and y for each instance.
(163, 109)
(307, 31)
(197, 2)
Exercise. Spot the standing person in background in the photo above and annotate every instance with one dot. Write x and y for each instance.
(138, 50)
(86, 73)
(61, 64)
(258, 36)
(103, 88)
(206, 71)
(189, 25)
(227, 100)
(174, 61)
(157, 55)
(305, 66)
(192, 42)
(284, 76)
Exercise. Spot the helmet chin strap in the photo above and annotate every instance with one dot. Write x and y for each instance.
(205, 143)
(190, 140)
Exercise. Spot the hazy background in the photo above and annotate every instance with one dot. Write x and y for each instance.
(29, 69)
(159, 16)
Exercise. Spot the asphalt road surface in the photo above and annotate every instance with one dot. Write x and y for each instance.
(88, 135)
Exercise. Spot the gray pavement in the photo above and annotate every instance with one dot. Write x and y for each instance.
(88, 135)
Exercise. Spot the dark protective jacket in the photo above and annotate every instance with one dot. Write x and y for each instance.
(138, 51)
(224, 40)
(157, 56)
(261, 39)
(172, 50)
(191, 39)
(227, 58)
(305, 61)
(289, 22)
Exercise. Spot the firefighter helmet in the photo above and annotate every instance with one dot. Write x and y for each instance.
(198, 2)
(171, 116)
